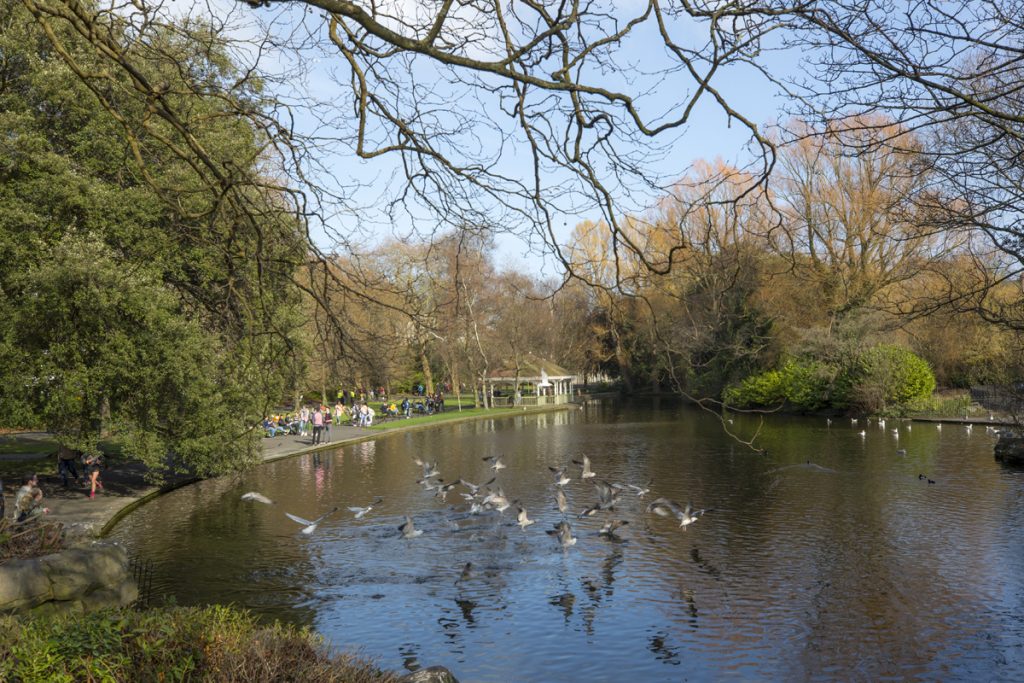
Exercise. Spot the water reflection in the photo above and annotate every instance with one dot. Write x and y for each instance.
(827, 558)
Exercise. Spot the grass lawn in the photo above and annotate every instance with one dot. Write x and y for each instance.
(27, 452)
(448, 414)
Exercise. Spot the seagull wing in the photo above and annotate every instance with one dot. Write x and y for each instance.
(300, 520)
(324, 516)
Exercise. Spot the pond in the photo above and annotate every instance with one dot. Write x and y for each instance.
(828, 557)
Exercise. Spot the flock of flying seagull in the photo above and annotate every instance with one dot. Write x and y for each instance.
(489, 497)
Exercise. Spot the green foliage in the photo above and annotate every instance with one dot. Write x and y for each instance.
(139, 297)
(175, 644)
(763, 389)
(808, 384)
(881, 378)
(886, 377)
(803, 384)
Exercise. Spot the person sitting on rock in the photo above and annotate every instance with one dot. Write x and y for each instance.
(28, 503)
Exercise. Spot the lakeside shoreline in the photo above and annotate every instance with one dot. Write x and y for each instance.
(90, 519)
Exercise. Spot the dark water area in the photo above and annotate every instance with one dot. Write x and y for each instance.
(850, 567)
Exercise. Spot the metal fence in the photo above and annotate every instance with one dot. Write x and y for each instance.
(142, 573)
(1008, 400)
(507, 401)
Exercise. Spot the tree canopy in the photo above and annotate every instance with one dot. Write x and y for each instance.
(137, 299)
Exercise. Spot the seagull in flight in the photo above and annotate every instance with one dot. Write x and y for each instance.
(443, 489)
(668, 508)
(429, 469)
(607, 495)
(563, 504)
(473, 488)
(563, 532)
(585, 464)
(561, 479)
(521, 519)
(496, 500)
(611, 526)
(408, 530)
(360, 512)
(641, 491)
(257, 498)
(496, 463)
(310, 527)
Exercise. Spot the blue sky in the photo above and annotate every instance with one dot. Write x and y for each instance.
(317, 71)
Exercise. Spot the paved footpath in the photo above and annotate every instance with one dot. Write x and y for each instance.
(125, 486)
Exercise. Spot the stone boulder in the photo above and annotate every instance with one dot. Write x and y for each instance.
(1009, 448)
(81, 579)
(432, 674)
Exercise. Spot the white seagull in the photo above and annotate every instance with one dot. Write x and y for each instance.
(310, 527)
(522, 520)
(362, 511)
(257, 498)
(585, 473)
(408, 530)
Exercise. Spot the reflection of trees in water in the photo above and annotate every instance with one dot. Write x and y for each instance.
(663, 652)
(409, 652)
(467, 607)
(565, 602)
(704, 565)
(229, 555)
(608, 567)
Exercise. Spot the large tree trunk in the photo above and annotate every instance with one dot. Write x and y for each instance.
(622, 358)
(428, 377)
(456, 385)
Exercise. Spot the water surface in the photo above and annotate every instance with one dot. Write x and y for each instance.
(827, 558)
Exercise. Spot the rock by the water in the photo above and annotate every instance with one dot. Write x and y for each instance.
(432, 674)
(81, 579)
(1009, 448)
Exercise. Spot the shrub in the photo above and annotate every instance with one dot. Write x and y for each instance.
(887, 377)
(762, 389)
(808, 384)
(213, 643)
(882, 378)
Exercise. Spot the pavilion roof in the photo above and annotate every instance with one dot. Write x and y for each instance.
(531, 368)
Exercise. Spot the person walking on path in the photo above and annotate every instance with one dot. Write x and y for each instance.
(66, 458)
(303, 421)
(93, 463)
(318, 425)
(328, 420)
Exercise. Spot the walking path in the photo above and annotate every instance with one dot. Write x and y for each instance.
(125, 486)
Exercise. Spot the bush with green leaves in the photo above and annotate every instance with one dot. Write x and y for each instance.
(881, 378)
(885, 378)
(213, 643)
(762, 389)
(803, 384)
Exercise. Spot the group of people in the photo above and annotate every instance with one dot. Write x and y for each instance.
(28, 501)
(67, 467)
(316, 420)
